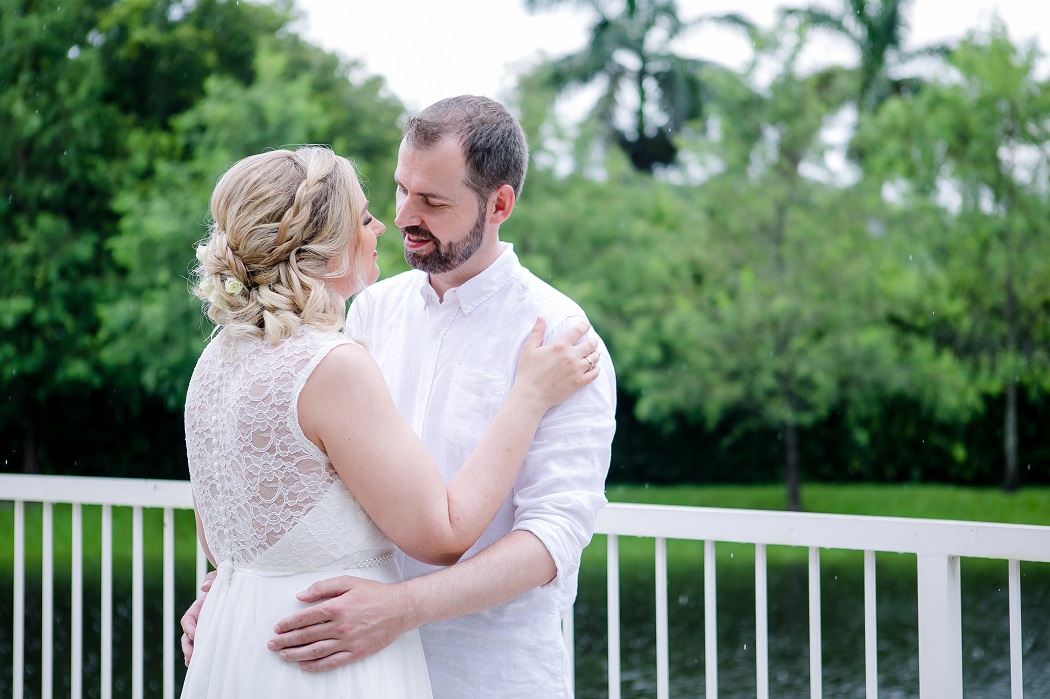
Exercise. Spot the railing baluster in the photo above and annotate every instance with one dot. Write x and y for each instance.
(662, 656)
(106, 640)
(940, 648)
(815, 665)
(871, 647)
(613, 572)
(710, 621)
(1016, 685)
(18, 626)
(136, 603)
(168, 625)
(47, 620)
(761, 624)
(76, 642)
(940, 627)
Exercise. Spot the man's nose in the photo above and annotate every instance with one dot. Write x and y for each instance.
(405, 214)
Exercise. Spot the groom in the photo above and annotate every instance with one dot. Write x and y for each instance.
(448, 345)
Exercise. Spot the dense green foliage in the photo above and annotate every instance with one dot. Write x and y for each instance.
(117, 118)
(833, 278)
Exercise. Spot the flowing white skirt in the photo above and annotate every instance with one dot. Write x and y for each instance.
(230, 658)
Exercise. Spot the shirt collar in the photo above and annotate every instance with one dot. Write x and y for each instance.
(482, 286)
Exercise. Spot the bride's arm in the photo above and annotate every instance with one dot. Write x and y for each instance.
(200, 534)
(346, 409)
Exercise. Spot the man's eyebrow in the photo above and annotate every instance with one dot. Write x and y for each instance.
(425, 195)
(432, 195)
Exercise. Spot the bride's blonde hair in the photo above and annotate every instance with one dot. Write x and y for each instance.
(282, 222)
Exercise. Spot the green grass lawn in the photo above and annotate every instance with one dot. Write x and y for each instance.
(91, 523)
(1027, 506)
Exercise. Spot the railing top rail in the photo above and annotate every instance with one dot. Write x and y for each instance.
(86, 490)
(850, 532)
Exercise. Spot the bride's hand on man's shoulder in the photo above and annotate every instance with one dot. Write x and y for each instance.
(551, 373)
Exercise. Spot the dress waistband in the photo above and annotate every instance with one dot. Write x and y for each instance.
(230, 566)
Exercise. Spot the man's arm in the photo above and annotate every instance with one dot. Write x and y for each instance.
(556, 500)
(189, 619)
(360, 617)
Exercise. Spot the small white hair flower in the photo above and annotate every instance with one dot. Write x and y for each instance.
(207, 287)
(232, 286)
(202, 251)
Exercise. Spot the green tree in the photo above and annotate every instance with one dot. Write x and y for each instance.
(157, 54)
(787, 318)
(62, 149)
(877, 29)
(976, 148)
(300, 94)
(90, 96)
(649, 93)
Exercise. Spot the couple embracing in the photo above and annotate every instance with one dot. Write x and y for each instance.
(396, 501)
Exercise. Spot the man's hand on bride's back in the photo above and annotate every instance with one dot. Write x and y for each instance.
(189, 619)
(353, 619)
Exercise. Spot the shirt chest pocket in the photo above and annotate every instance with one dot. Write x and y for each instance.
(474, 398)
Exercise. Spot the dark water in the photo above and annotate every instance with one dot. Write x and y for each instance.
(985, 631)
(153, 632)
(986, 663)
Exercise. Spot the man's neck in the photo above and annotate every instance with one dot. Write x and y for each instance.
(478, 263)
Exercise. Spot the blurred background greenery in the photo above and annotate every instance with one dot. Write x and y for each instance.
(837, 274)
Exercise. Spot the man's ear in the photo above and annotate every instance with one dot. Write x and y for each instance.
(502, 203)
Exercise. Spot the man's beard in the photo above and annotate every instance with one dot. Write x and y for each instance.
(445, 257)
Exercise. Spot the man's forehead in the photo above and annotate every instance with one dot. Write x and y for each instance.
(439, 165)
(445, 148)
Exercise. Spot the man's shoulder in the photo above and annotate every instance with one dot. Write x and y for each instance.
(393, 288)
(541, 296)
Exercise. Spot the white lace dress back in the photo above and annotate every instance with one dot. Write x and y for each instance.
(276, 518)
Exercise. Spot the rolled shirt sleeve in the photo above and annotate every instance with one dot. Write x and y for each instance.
(562, 484)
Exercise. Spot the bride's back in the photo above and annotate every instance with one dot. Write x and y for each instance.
(266, 494)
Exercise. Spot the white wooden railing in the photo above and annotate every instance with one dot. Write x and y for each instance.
(109, 493)
(937, 546)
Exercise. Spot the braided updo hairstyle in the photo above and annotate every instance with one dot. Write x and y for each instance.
(283, 222)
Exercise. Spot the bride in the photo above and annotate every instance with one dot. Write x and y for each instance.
(301, 466)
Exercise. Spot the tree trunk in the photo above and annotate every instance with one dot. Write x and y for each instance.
(30, 462)
(794, 500)
(1011, 480)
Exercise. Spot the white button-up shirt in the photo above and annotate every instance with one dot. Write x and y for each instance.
(449, 365)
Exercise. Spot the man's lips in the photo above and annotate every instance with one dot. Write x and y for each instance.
(414, 242)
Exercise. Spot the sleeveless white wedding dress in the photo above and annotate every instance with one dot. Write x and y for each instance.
(276, 518)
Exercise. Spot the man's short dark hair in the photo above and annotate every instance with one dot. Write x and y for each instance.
(494, 144)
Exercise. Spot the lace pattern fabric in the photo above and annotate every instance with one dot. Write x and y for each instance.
(265, 493)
